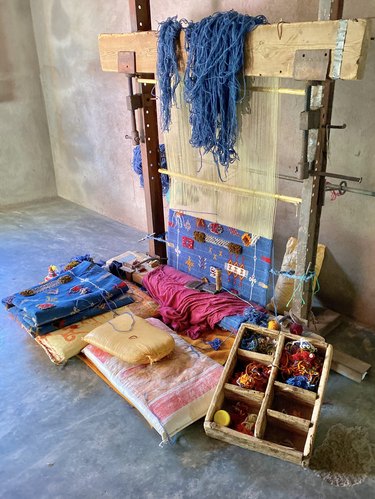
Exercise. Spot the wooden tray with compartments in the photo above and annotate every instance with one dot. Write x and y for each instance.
(286, 416)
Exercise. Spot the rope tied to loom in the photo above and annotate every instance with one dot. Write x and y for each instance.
(215, 50)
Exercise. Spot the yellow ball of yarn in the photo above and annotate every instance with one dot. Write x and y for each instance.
(222, 418)
(274, 325)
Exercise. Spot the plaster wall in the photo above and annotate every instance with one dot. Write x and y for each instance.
(86, 108)
(26, 169)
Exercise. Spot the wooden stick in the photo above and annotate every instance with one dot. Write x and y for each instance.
(281, 90)
(231, 188)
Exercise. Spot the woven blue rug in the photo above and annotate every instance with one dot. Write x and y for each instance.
(199, 247)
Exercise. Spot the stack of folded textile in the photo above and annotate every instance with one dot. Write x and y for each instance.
(80, 292)
(169, 382)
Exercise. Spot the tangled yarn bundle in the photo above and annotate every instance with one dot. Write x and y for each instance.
(215, 48)
(242, 419)
(253, 377)
(258, 343)
(215, 56)
(301, 365)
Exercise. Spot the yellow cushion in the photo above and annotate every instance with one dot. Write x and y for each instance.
(132, 339)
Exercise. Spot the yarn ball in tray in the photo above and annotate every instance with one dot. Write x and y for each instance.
(222, 418)
(258, 343)
(301, 365)
(273, 325)
(295, 328)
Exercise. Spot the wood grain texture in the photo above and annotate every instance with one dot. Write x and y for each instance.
(251, 443)
(235, 392)
(258, 357)
(296, 393)
(265, 53)
(291, 423)
(349, 366)
(260, 425)
(273, 428)
(307, 452)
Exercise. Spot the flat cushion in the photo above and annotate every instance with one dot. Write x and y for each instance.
(132, 339)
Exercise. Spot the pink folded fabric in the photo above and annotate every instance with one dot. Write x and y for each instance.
(189, 310)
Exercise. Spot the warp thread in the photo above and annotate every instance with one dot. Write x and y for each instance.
(137, 167)
(215, 57)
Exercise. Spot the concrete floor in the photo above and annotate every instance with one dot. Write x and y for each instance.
(64, 433)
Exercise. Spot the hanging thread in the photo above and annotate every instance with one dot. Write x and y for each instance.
(215, 49)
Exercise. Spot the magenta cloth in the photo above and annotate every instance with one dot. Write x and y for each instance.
(188, 310)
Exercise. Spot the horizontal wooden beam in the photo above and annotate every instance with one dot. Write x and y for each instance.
(269, 50)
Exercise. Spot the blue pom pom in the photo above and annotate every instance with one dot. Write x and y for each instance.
(215, 344)
(301, 382)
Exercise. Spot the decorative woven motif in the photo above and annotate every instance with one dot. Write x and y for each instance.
(187, 242)
(245, 273)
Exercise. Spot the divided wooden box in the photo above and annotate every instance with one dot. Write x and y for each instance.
(278, 431)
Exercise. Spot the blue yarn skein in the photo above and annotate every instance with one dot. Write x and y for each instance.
(167, 67)
(215, 48)
(137, 166)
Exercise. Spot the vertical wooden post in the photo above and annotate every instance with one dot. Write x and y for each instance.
(314, 186)
(140, 18)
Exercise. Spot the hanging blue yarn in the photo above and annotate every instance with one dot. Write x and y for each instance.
(167, 67)
(137, 166)
(215, 48)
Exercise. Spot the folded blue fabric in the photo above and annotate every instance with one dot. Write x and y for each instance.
(102, 308)
(81, 292)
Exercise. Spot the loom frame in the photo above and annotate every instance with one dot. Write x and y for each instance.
(313, 181)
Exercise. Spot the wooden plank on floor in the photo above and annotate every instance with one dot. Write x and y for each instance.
(266, 52)
(349, 366)
(342, 363)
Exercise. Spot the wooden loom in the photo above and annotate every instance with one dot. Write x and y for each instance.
(316, 52)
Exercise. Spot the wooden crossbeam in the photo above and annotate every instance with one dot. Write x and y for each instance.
(269, 50)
